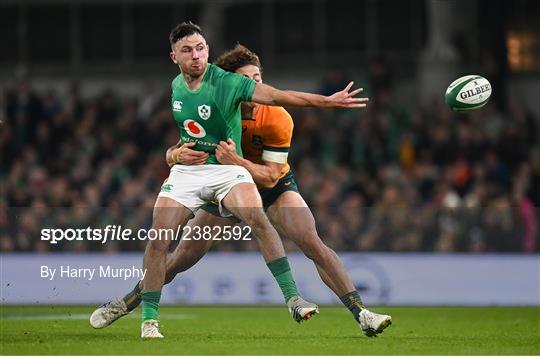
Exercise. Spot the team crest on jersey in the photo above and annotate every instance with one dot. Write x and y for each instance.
(177, 106)
(194, 129)
(205, 111)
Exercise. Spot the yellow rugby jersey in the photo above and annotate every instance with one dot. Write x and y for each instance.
(267, 136)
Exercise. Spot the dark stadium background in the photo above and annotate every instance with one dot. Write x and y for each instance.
(85, 117)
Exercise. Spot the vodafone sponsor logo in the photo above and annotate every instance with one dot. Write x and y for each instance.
(194, 129)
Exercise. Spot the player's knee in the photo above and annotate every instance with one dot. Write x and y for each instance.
(184, 260)
(313, 248)
(173, 265)
(256, 219)
(158, 245)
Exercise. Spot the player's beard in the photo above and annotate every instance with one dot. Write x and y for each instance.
(194, 73)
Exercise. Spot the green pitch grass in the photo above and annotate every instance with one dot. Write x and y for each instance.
(271, 331)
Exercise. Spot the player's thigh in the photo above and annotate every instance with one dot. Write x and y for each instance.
(244, 201)
(183, 188)
(169, 213)
(168, 218)
(233, 187)
(292, 218)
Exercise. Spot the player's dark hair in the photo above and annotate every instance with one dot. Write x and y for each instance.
(238, 57)
(184, 29)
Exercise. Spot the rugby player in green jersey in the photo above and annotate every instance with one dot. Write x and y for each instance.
(206, 106)
(286, 208)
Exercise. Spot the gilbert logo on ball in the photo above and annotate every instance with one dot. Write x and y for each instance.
(468, 93)
(194, 129)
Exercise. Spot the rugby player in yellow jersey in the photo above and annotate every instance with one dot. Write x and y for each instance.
(266, 138)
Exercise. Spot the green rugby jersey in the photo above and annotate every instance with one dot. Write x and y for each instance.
(211, 113)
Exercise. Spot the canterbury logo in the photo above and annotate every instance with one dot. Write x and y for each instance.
(177, 106)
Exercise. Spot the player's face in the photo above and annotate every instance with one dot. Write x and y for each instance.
(252, 72)
(190, 53)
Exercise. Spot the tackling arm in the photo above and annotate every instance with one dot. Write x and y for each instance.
(265, 176)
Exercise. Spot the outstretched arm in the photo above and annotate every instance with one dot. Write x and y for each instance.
(265, 94)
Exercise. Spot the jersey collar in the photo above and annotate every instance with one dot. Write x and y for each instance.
(202, 82)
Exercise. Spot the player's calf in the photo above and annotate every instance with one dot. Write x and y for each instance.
(314, 249)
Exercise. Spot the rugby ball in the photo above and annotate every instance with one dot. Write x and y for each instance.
(468, 93)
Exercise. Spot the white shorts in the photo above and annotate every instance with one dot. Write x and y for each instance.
(194, 186)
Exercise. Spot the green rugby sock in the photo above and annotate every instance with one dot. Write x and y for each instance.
(133, 298)
(150, 304)
(353, 302)
(282, 273)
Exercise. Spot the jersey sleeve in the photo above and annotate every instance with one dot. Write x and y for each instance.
(277, 138)
(232, 90)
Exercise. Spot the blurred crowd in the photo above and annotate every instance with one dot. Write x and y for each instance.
(384, 179)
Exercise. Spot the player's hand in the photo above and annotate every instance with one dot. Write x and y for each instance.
(186, 156)
(226, 152)
(346, 99)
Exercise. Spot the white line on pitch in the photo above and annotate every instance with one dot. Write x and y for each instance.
(83, 316)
